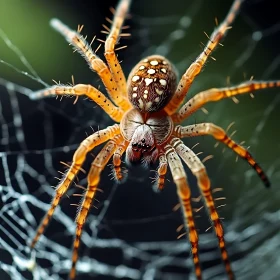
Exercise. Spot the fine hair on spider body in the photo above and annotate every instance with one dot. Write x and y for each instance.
(147, 109)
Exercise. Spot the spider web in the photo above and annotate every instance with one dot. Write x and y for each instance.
(132, 234)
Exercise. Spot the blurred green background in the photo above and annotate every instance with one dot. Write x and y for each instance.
(26, 23)
(251, 48)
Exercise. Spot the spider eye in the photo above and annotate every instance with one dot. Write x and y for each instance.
(151, 83)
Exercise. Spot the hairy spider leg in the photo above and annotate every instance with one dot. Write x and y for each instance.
(87, 145)
(198, 169)
(184, 193)
(219, 134)
(196, 67)
(97, 166)
(94, 94)
(111, 42)
(117, 161)
(95, 63)
(161, 172)
(216, 94)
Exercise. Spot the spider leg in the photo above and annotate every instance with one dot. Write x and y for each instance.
(117, 160)
(198, 169)
(184, 193)
(219, 134)
(94, 94)
(216, 94)
(97, 166)
(95, 63)
(196, 67)
(87, 145)
(111, 42)
(161, 172)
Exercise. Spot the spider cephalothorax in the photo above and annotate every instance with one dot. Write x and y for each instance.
(147, 110)
(146, 134)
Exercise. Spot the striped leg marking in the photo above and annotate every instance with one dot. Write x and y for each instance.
(219, 134)
(111, 42)
(184, 193)
(91, 92)
(97, 166)
(161, 172)
(198, 169)
(216, 94)
(117, 160)
(87, 145)
(196, 67)
(95, 63)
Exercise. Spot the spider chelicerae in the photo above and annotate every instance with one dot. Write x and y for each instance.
(148, 108)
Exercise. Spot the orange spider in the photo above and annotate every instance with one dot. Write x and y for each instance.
(148, 108)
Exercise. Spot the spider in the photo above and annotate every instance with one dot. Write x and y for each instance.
(148, 108)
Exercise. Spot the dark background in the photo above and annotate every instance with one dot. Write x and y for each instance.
(136, 213)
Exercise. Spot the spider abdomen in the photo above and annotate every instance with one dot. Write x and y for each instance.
(151, 83)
